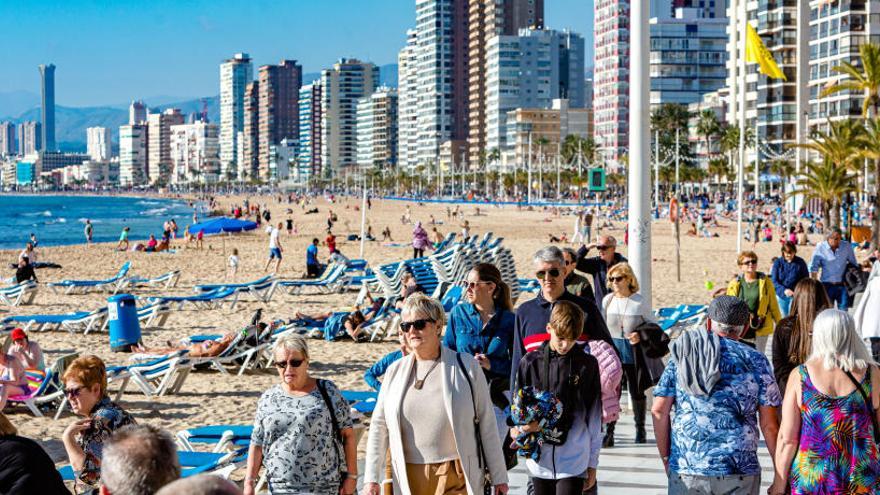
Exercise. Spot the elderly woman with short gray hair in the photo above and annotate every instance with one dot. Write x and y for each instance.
(302, 431)
(435, 416)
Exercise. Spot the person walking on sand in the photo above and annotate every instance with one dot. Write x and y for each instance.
(275, 248)
(88, 231)
(122, 245)
(232, 271)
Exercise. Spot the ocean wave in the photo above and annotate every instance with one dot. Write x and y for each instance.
(55, 221)
(83, 220)
(46, 213)
(154, 212)
(149, 203)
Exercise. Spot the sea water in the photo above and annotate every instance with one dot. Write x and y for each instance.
(58, 220)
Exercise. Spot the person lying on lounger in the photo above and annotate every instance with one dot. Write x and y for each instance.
(353, 322)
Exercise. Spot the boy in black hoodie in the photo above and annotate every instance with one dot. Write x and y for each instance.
(564, 367)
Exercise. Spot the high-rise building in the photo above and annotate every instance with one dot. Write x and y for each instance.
(137, 113)
(235, 74)
(487, 19)
(541, 130)
(47, 109)
(377, 129)
(7, 139)
(341, 87)
(159, 149)
(98, 143)
(248, 141)
(442, 86)
(133, 154)
(611, 78)
(688, 57)
(530, 70)
(309, 154)
(407, 103)
(278, 110)
(29, 135)
(195, 153)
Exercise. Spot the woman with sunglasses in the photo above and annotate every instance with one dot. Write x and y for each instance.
(756, 289)
(85, 386)
(625, 310)
(482, 326)
(302, 430)
(426, 413)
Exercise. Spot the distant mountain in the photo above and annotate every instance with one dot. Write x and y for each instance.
(71, 122)
(13, 103)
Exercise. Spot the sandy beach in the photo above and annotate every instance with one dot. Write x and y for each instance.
(208, 397)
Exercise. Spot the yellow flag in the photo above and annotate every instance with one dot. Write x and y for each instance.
(757, 53)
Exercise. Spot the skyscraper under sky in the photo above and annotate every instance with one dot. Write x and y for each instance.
(235, 74)
(47, 114)
(341, 87)
(7, 138)
(278, 100)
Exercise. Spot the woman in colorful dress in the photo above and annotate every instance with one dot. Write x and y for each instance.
(829, 416)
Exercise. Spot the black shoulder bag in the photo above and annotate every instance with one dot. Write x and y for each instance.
(337, 433)
(481, 454)
(868, 403)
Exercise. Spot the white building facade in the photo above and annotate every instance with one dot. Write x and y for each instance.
(133, 155)
(377, 131)
(235, 74)
(408, 103)
(195, 153)
(98, 143)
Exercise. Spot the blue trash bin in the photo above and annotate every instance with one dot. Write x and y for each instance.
(125, 328)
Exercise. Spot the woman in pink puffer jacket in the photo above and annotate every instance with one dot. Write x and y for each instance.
(610, 372)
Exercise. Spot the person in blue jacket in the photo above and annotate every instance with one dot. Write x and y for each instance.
(482, 326)
(372, 375)
(787, 271)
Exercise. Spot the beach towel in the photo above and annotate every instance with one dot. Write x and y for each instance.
(697, 355)
(334, 326)
(531, 404)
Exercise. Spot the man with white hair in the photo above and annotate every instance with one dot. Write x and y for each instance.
(719, 390)
(138, 460)
(598, 266)
(202, 484)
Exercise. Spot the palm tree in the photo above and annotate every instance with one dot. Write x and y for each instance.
(784, 169)
(841, 144)
(826, 182)
(708, 127)
(864, 77)
(718, 167)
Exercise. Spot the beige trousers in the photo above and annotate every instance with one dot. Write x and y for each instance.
(442, 478)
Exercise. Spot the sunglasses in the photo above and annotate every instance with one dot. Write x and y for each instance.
(293, 363)
(73, 392)
(542, 274)
(616, 279)
(750, 262)
(419, 325)
(473, 285)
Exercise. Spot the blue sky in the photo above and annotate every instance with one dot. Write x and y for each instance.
(109, 52)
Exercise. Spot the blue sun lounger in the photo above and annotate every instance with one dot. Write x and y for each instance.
(207, 300)
(112, 284)
(72, 322)
(192, 463)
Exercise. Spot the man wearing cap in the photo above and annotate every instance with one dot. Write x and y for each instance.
(720, 390)
(26, 352)
(598, 266)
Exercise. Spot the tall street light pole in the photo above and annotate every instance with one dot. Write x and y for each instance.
(639, 177)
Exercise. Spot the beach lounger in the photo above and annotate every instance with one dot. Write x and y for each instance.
(50, 388)
(162, 376)
(333, 280)
(207, 300)
(112, 284)
(165, 281)
(215, 287)
(239, 353)
(19, 294)
(192, 463)
(72, 322)
(154, 315)
(220, 437)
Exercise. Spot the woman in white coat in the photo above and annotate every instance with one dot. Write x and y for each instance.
(867, 313)
(425, 415)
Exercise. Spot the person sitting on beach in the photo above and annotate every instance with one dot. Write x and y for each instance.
(25, 271)
(438, 237)
(123, 245)
(12, 378)
(372, 375)
(151, 244)
(29, 253)
(692, 231)
(27, 352)
(410, 287)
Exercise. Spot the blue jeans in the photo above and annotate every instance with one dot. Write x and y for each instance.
(837, 294)
(784, 304)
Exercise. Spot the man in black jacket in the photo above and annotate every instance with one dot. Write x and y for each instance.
(598, 266)
(530, 325)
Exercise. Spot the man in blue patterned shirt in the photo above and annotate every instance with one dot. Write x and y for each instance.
(718, 389)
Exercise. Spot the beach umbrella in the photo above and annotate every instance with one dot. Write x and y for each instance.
(222, 225)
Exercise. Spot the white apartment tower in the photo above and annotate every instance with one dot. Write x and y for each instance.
(377, 128)
(137, 113)
(133, 160)
(341, 87)
(235, 74)
(98, 143)
(408, 100)
(195, 153)
(159, 143)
